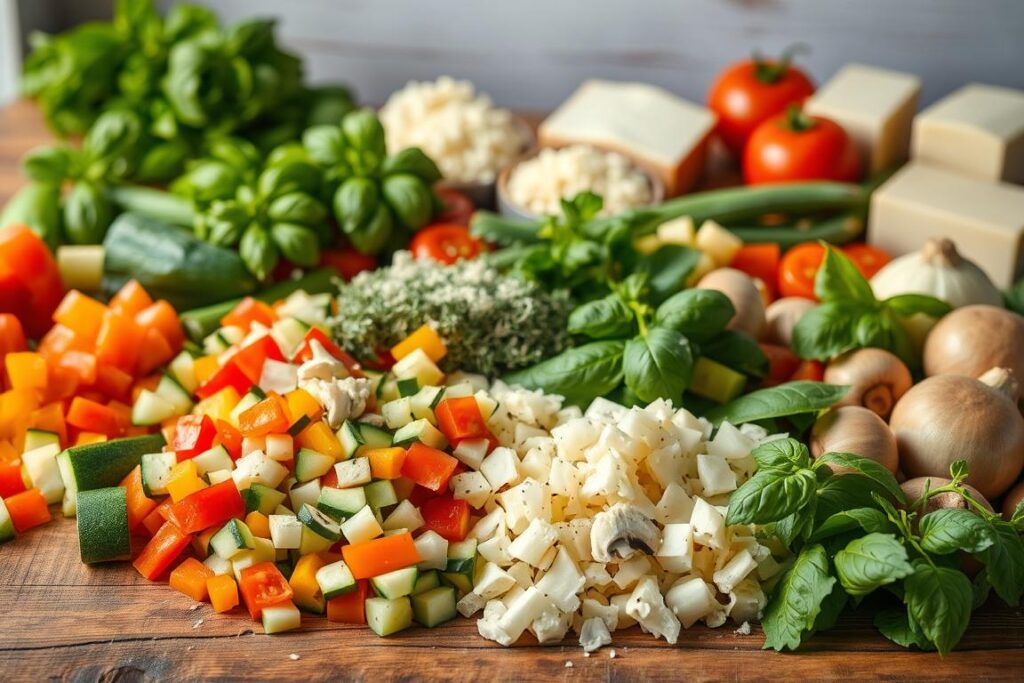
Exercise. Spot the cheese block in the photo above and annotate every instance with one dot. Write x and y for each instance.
(659, 131)
(984, 219)
(876, 108)
(977, 130)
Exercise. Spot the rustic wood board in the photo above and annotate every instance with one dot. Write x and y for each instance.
(61, 619)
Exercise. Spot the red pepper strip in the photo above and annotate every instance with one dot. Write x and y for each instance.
(193, 434)
(161, 551)
(228, 375)
(207, 507)
(251, 359)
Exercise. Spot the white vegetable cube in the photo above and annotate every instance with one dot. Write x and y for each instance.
(404, 516)
(620, 603)
(258, 468)
(537, 462)
(217, 564)
(675, 505)
(631, 571)
(564, 478)
(690, 599)
(218, 476)
(492, 582)
(417, 365)
(304, 493)
(609, 614)
(432, 549)
(603, 411)
(523, 503)
(562, 582)
(362, 526)
(574, 437)
(278, 376)
(594, 634)
(678, 231)
(279, 447)
(43, 470)
(730, 442)
(495, 549)
(471, 487)
(534, 543)
(613, 438)
(676, 552)
(490, 524)
(522, 573)
(471, 452)
(214, 459)
(251, 444)
(747, 601)
(715, 474)
(281, 617)
(354, 472)
(648, 608)
(597, 574)
(522, 611)
(718, 243)
(667, 465)
(398, 413)
(285, 531)
(470, 604)
(501, 467)
(735, 570)
(708, 525)
(551, 626)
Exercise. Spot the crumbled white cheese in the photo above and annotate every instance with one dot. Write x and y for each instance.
(342, 399)
(594, 634)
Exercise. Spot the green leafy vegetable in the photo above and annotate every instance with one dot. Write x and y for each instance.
(867, 467)
(939, 603)
(947, 531)
(870, 562)
(576, 373)
(797, 601)
(792, 398)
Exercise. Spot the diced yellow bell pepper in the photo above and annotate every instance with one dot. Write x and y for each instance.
(86, 438)
(301, 402)
(184, 480)
(425, 338)
(26, 370)
(304, 585)
(319, 437)
(204, 367)
(220, 405)
(258, 523)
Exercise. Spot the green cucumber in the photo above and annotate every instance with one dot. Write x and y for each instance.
(435, 606)
(395, 584)
(183, 370)
(335, 579)
(281, 618)
(261, 498)
(37, 438)
(385, 617)
(232, 539)
(420, 430)
(426, 581)
(313, 542)
(380, 494)
(156, 470)
(103, 533)
(174, 393)
(376, 378)
(716, 381)
(340, 504)
(319, 523)
(289, 333)
(387, 390)
(96, 466)
(299, 425)
(462, 558)
(310, 464)
(150, 408)
(351, 438)
(374, 437)
(424, 402)
(7, 532)
(408, 387)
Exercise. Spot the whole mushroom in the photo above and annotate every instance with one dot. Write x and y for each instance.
(914, 489)
(781, 317)
(951, 417)
(877, 379)
(743, 294)
(857, 430)
(972, 339)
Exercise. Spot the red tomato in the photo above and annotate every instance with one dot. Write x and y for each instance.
(445, 242)
(28, 267)
(760, 261)
(797, 146)
(782, 363)
(458, 208)
(798, 268)
(263, 585)
(809, 370)
(348, 261)
(868, 259)
(751, 91)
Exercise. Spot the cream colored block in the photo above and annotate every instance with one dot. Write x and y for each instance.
(977, 130)
(876, 108)
(661, 132)
(986, 220)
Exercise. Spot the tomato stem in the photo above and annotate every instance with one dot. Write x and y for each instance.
(769, 71)
(798, 120)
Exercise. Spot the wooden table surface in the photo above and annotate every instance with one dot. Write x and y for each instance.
(63, 620)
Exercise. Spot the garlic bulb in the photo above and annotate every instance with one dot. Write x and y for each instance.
(938, 270)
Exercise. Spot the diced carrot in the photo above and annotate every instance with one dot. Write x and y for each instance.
(113, 382)
(61, 339)
(119, 341)
(81, 313)
(155, 351)
(90, 415)
(26, 370)
(190, 578)
(27, 509)
(381, 555)
(50, 418)
(165, 546)
(139, 504)
(130, 299)
(223, 592)
(258, 523)
(386, 463)
(162, 317)
(425, 338)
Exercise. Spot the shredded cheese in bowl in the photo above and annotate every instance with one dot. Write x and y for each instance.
(467, 136)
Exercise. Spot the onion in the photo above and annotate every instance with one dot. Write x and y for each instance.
(876, 377)
(1013, 499)
(857, 430)
(743, 294)
(914, 489)
(972, 339)
(948, 418)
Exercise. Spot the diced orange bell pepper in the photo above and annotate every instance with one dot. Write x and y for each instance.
(130, 299)
(165, 546)
(139, 504)
(119, 341)
(426, 338)
(12, 336)
(201, 542)
(223, 592)
(161, 316)
(248, 311)
(305, 588)
(86, 438)
(16, 408)
(11, 481)
(266, 417)
(94, 417)
(82, 364)
(446, 517)
(386, 463)
(113, 382)
(155, 351)
(301, 402)
(349, 608)
(380, 556)
(50, 418)
(258, 523)
(8, 454)
(27, 509)
(190, 578)
(80, 313)
(229, 437)
(155, 519)
(26, 370)
(319, 437)
(428, 466)
(61, 339)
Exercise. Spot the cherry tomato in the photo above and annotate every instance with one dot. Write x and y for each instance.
(760, 261)
(751, 91)
(348, 261)
(458, 208)
(446, 243)
(263, 585)
(782, 363)
(868, 259)
(812, 370)
(798, 268)
(797, 146)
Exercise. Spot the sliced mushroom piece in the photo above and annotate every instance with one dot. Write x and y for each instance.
(620, 531)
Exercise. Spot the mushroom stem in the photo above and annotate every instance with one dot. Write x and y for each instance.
(941, 252)
(1003, 381)
(878, 399)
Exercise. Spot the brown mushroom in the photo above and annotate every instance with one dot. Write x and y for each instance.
(972, 339)
(782, 315)
(743, 294)
(876, 377)
(857, 430)
(914, 489)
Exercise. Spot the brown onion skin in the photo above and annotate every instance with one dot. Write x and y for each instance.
(948, 418)
(914, 488)
(1012, 500)
(857, 430)
(972, 339)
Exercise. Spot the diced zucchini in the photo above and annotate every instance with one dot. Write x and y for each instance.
(215, 344)
(151, 408)
(312, 542)
(487, 404)
(424, 401)
(340, 504)
(380, 494)
(171, 391)
(299, 425)
(156, 469)
(44, 472)
(285, 531)
(310, 464)
(432, 548)
(408, 387)
(419, 366)
(7, 532)
(103, 533)
(460, 390)
(233, 538)
(350, 437)
(426, 581)
(289, 334)
(461, 563)
(716, 381)
(263, 499)
(281, 618)
(214, 459)
(183, 369)
(374, 437)
(395, 584)
(81, 266)
(362, 526)
(385, 617)
(319, 523)
(376, 379)
(218, 565)
(304, 494)
(420, 430)
(37, 438)
(335, 579)
(397, 413)
(434, 607)
(354, 472)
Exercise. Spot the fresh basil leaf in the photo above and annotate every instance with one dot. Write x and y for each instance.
(870, 562)
(258, 252)
(579, 374)
(906, 305)
(949, 530)
(667, 268)
(1013, 297)
(297, 243)
(355, 202)
(827, 330)
(207, 181)
(372, 236)
(846, 492)
(795, 526)
(87, 214)
(296, 207)
(114, 134)
(894, 624)
(867, 467)
(1017, 519)
(797, 601)
(697, 313)
(414, 161)
(770, 496)
(792, 398)
(239, 154)
(363, 131)
(981, 589)
(870, 520)
(294, 176)
(658, 364)
(786, 455)
(839, 280)
(163, 161)
(409, 198)
(49, 164)
(604, 318)
(737, 350)
(324, 144)
(831, 608)
(1004, 562)
(939, 603)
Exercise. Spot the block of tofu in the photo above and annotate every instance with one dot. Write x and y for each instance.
(661, 132)
(876, 107)
(985, 219)
(977, 130)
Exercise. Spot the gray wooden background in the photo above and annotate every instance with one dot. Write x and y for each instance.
(531, 53)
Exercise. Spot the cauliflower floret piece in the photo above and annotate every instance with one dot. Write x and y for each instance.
(341, 399)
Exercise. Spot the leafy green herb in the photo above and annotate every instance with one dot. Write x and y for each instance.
(797, 601)
(869, 468)
(577, 372)
(947, 531)
(657, 364)
(870, 562)
(938, 603)
(792, 398)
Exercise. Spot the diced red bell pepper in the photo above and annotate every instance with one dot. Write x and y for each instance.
(349, 608)
(447, 517)
(248, 311)
(93, 417)
(11, 481)
(230, 438)
(269, 416)
(460, 419)
(155, 519)
(113, 382)
(165, 546)
(228, 375)
(428, 466)
(33, 269)
(263, 585)
(250, 360)
(305, 351)
(193, 434)
(209, 506)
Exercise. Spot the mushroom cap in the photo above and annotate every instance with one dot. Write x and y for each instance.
(621, 530)
(857, 430)
(743, 294)
(972, 339)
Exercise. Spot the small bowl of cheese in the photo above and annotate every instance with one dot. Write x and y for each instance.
(469, 138)
(536, 185)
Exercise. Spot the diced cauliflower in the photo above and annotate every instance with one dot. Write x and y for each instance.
(648, 608)
(341, 399)
(531, 546)
(594, 634)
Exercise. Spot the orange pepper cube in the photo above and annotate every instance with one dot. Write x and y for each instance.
(80, 313)
(386, 463)
(258, 523)
(301, 402)
(190, 578)
(223, 592)
(266, 417)
(319, 437)
(425, 338)
(26, 370)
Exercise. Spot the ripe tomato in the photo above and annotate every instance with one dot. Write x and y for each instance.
(751, 91)
(445, 242)
(263, 585)
(797, 146)
(798, 268)
(348, 261)
(868, 259)
(458, 208)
